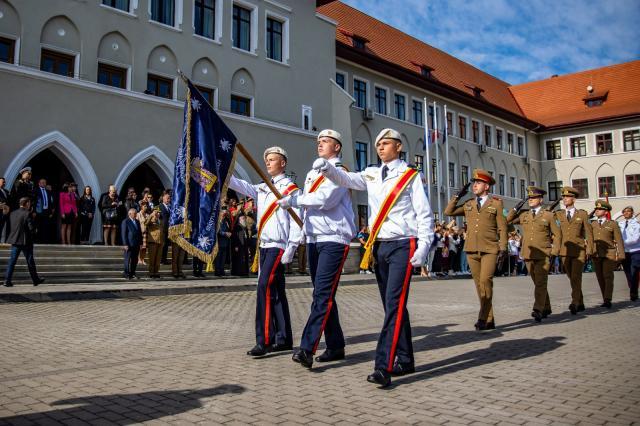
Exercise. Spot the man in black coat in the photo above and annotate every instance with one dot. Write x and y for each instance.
(4, 206)
(131, 240)
(20, 236)
(45, 210)
(224, 235)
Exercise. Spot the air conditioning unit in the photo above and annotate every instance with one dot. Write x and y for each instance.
(483, 148)
(367, 114)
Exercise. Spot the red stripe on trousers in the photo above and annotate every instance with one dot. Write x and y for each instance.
(401, 306)
(267, 312)
(334, 286)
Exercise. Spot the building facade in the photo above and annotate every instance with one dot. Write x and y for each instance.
(91, 93)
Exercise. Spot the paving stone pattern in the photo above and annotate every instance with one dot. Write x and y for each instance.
(181, 360)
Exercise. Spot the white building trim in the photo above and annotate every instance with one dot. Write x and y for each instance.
(71, 156)
(157, 160)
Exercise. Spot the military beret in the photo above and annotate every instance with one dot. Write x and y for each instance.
(484, 176)
(568, 191)
(603, 205)
(25, 169)
(275, 150)
(535, 192)
(388, 134)
(328, 133)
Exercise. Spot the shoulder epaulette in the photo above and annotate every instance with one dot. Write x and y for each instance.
(496, 198)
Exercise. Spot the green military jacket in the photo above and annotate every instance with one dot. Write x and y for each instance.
(486, 228)
(607, 240)
(577, 234)
(541, 235)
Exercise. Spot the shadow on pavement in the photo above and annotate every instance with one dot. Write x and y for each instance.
(506, 350)
(124, 409)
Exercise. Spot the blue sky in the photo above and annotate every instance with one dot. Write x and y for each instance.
(520, 40)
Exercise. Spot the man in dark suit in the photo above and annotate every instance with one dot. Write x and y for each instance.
(224, 235)
(20, 236)
(131, 240)
(165, 213)
(4, 206)
(44, 214)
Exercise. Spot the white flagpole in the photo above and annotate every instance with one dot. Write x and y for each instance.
(438, 171)
(446, 147)
(426, 168)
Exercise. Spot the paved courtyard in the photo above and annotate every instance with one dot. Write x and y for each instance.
(181, 360)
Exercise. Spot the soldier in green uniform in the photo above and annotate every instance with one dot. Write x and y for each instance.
(608, 250)
(486, 242)
(541, 239)
(577, 244)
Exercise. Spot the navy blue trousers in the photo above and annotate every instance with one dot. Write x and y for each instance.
(131, 260)
(31, 263)
(393, 272)
(325, 264)
(631, 266)
(273, 322)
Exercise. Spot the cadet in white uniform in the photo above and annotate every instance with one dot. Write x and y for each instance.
(329, 227)
(401, 224)
(278, 239)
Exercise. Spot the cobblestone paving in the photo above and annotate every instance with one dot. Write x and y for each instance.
(181, 360)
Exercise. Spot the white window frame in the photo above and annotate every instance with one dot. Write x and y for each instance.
(133, 5)
(480, 130)
(253, 35)
(524, 145)
(243, 95)
(307, 111)
(119, 65)
(345, 76)
(454, 121)
(178, 9)
(413, 98)
(174, 85)
(285, 35)
(217, 30)
(76, 55)
(406, 98)
(504, 138)
(367, 98)
(544, 148)
(464, 137)
(594, 145)
(16, 47)
(215, 92)
(621, 139)
(586, 145)
(493, 133)
(514, 146)
(375, 102)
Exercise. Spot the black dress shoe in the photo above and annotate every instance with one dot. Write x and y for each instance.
(303, 357)
(606, 304)
(280, 347)
(331, 355)
(258, 350)
(581, 308)
(38, 282)
(537, 315)
(380, 377)
(491, 325)
(546, 313)
(633, 297)
(8, 284)
(400, 369)
(573, 308)
(481, 325)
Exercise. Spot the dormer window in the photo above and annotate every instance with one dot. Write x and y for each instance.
(424, 70)
(359, 42)
(477, 91)
(595, 99)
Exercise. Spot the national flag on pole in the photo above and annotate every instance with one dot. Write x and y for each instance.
(204, 164)
(446, 126)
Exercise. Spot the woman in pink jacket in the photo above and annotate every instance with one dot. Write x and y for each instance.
(68, 211)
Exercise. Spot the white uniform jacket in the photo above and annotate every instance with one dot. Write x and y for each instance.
(328, 215)
(411, 215)
(280, 230)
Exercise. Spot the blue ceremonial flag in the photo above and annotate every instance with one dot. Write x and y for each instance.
(204, 164)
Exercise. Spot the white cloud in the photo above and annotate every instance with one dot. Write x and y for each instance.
(520, 41)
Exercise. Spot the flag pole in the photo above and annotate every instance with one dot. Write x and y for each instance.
(427, 167)
(438, 173)
(266, 180)
(446, 153)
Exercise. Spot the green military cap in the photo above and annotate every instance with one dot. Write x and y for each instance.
(603, 205)
(568, 191)
(483, 176)
(535, 192)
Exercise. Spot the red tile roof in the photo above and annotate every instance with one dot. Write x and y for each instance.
(392, 45)
(560, 101)
(554, 102)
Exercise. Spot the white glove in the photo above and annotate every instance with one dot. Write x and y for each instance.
(320, 165)
(287, 256)
(419, 256)
(288, 201)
